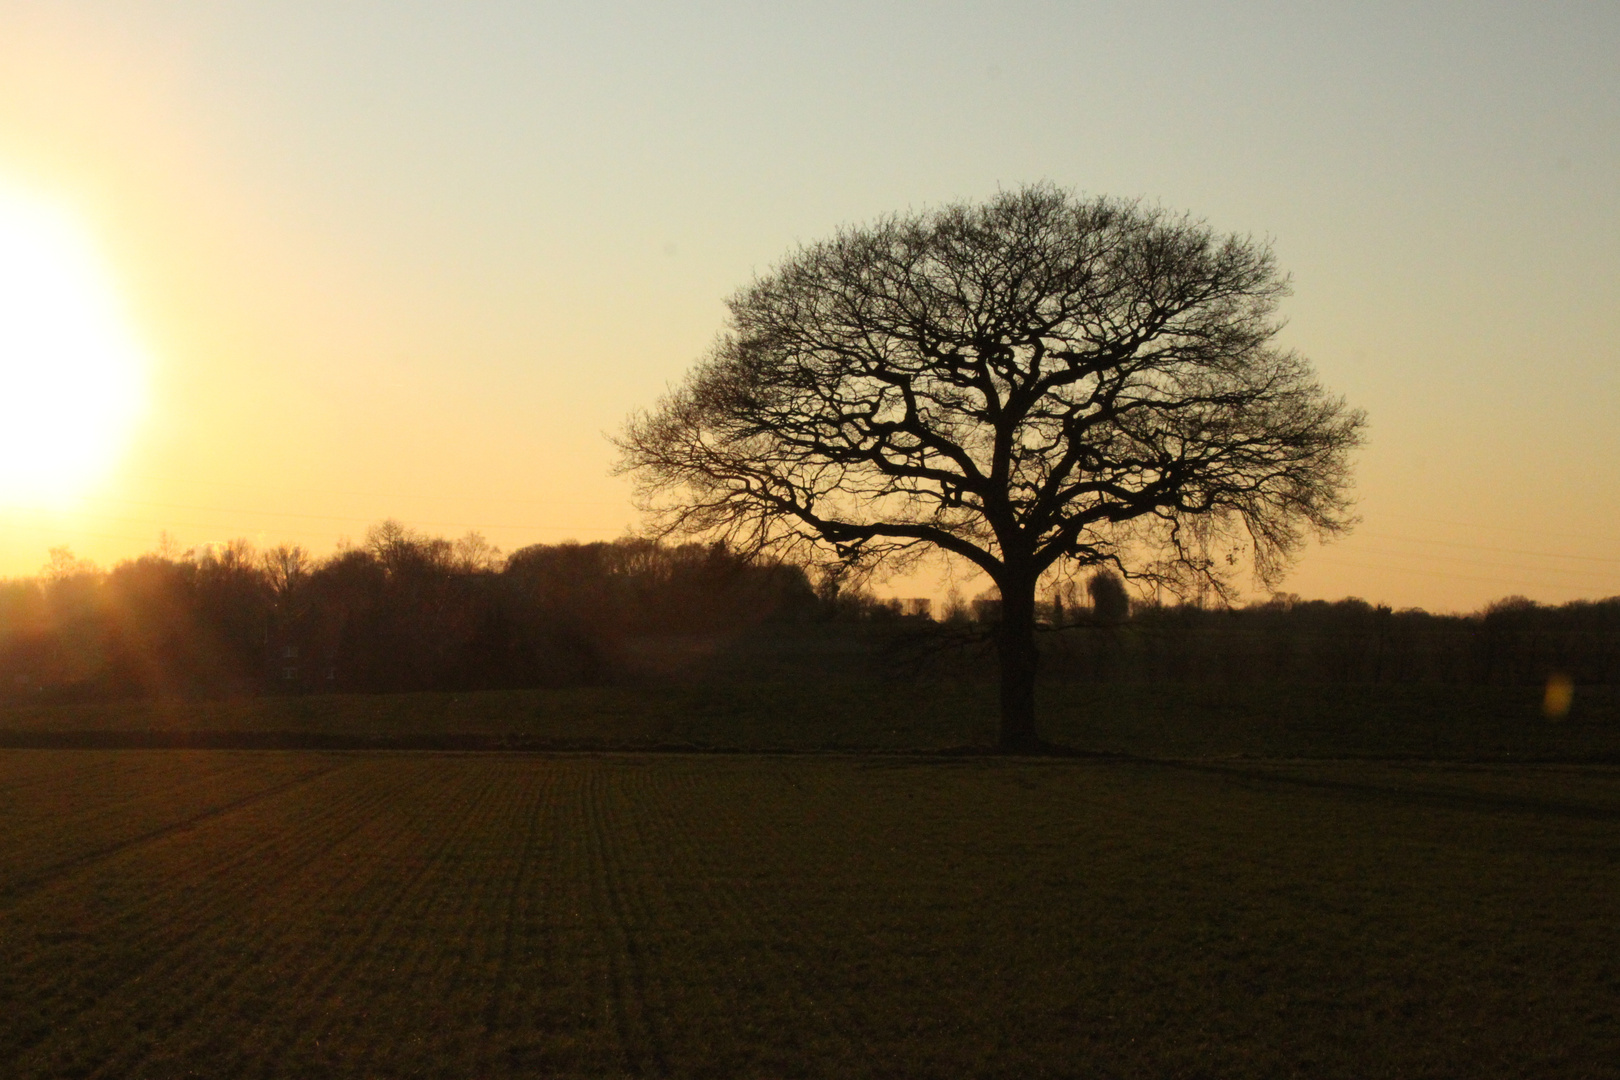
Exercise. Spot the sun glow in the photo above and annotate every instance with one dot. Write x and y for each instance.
(71, 374)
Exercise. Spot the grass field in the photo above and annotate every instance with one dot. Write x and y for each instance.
(1389, 722)
(265, 913)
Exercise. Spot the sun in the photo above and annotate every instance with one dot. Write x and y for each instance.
(71, 372)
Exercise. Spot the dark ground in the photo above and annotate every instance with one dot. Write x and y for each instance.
(1316, 882)
(1165, 720)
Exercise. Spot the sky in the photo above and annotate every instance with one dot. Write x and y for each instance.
(419, 260)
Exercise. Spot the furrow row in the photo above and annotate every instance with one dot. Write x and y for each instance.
(621, 870)
(517, 959)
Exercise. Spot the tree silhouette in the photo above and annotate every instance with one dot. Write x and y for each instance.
(1036, 379)
(1110, 603)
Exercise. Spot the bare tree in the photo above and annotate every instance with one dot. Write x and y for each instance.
(1036, 379)
(287, 566)
(474, 553)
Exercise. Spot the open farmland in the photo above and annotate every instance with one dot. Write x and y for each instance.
(1457, 723)
(257, 913)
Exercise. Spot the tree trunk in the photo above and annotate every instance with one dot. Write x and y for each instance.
(1015, 644)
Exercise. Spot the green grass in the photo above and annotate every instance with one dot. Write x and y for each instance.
(1471, 723)
(258, 914)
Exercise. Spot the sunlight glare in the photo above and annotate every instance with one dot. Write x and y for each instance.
(71, 373)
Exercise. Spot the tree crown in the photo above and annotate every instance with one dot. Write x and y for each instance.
(1030, 380)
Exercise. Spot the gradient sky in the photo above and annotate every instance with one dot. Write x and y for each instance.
(415, 259)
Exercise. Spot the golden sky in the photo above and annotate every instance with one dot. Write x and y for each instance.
(415, 259)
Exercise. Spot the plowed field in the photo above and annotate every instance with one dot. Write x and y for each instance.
(267, 914)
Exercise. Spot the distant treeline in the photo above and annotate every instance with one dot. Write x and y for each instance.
(409, 612)
(401, 612)
(1513, 642)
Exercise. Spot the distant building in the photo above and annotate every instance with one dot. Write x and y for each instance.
(293, 664)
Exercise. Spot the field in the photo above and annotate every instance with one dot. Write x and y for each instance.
(257, 913)
(1428, 723)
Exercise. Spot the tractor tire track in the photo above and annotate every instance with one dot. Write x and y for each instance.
(624, 1011)
(541, 809)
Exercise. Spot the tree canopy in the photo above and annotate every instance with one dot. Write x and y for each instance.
(1036, 381)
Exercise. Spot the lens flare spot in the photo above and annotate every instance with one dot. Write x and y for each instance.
(1560, 695)
(71, 373)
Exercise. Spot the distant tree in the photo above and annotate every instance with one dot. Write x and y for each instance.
(1109, 600)
(233, 599)
(473, 553)
(1065, 599)
(64, 565)
(1038, 379)
(288, 566)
